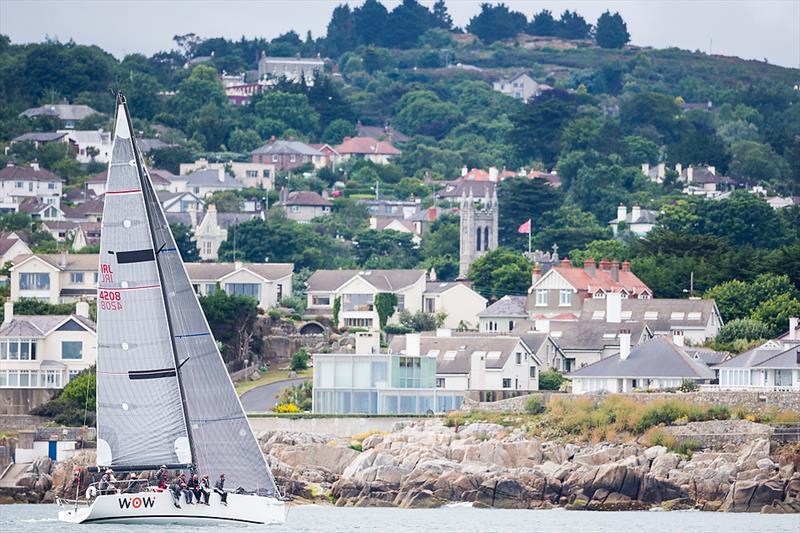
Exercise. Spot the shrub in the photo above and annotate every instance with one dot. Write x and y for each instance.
(534, 405)
(685, 447)
(286, 408)
(658, 437)
(719, 412)
(551, 380)
(687, 385)
(274, 314)
(299, 360)
(396, 329)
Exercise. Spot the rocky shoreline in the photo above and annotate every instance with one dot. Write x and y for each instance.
(426, 464)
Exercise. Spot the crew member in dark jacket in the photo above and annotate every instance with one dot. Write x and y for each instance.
(175, 489)
(194, 486)
(162, 477)
(219, 488)
(205, 490)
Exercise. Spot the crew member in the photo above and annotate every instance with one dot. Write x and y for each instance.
(219, 488)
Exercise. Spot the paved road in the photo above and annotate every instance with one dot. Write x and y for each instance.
(265, 397)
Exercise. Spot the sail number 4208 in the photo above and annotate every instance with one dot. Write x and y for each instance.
(110, 300)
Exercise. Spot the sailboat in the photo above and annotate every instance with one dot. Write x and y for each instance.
(164, 396)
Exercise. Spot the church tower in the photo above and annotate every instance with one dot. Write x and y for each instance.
(478, 228)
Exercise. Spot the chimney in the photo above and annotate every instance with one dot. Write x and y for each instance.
(284, 194)
(662, 171)
(678, 169)
(794, 335)
(35, 166)
(432, 275)
(622, 213)
(615, 270)
(614, 307)
(325, 194)
(626, 266)
(689, 174)
(464, 171)
(367, 342)
(62, 262)
(82, 309)
(211, 212)
(412, 344)
(604, 265)
(492, 173)
(566, 263)
(8, 310)
(636, 212)
(193, 214)
(536, 273)
(589, 266)
(221, 174)
(624, 344)
(677, 338)
(541, 324)
(444, 332)
(712, 169)
(646, 169)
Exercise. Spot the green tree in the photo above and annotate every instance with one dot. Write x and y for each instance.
(573, 26)
(424, 113)
(407, 22)
(496, 22)
(420, 321)
(294, 110)
(611, 32)
(756, 161)
(185, 242)
(551, 380)
(385, 249)
(442, 238)
(441, 17)
(244, 141)
(75, 404)
(337, 130)
(521, 199)
(650, 109)
(341, 35)
(370, 21)
(299, 360)
(775, 312)
(201, 88)
(385, 305)
(742, 328)
(232, 319)
(543, 24)
(597, 250)
(570, 228)
(500, 272)
(537, 126)
(171, 158)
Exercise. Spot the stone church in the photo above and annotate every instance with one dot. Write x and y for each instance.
(478, 228)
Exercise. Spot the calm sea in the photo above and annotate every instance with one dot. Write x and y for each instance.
(313, 519)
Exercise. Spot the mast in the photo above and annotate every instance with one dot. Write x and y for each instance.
(146, 190)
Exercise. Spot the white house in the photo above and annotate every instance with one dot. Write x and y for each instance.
(457, 300)
(774, 365)
(520, 86)
(68, 114)
(356, 291)
(11, 246)
(489, 367)
(367, 148)
(205, 182)
(249, 174)
(503, 315)
(656, 364)
(92, 145)
(45, 351)
(267, 283)
(304, 206)
(291, 68)
(19, 183)
(639, 221)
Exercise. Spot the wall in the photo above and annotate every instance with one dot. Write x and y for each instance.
(753, 401)
(337, 426)
(11, 423)
(21, 401)
(461, 304)
(38, 266)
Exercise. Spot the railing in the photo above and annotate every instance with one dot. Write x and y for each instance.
(750, 388)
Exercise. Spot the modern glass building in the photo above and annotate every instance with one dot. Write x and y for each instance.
(379, 383)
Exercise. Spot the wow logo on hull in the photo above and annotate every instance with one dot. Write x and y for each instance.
(137, 502)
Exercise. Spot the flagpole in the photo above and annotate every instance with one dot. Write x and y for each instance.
(529, 237)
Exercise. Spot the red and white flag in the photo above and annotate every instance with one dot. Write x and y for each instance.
(525, 227)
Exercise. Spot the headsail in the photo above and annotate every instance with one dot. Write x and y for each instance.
(222, 440)
(140, 418)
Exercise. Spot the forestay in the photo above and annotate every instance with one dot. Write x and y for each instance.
(140, 419)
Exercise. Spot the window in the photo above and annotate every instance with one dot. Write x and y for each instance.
(211, 288)
(541, 297)
(76, 277)
(439, 383)
(253, 290)
(95, 278)
(265, 173)
(274, 158)
(358, 322)
(321, 300)
(506, 383)
(565, 297)
(644, 296)
(410, 372)
(519, 358)
(357, 302)
(533, 371)
(72, 375)
(651, 315)
(401, 302)
(292, 158)
(295, 209)
(251, 173)
(599, 295)
(479, 234)
(71, 350)
(430, 305)
(18, 350)
(510, 325)
(34, 281)
(51, 379)
(30, 186)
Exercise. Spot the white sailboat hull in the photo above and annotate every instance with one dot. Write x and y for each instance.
(158, 508)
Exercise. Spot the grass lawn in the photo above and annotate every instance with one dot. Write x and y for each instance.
(268, 377)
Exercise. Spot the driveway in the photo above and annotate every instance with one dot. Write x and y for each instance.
(265, 397)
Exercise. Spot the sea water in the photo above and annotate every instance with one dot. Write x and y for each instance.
(456, 519)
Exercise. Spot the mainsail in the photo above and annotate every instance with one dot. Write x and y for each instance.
(140, 418)
(218, 436)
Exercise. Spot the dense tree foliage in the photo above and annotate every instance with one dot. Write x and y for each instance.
(611, 31)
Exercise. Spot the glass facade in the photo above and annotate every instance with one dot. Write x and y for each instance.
(31, 281)
(379, 384)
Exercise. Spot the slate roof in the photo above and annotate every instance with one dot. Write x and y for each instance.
(755, 356)
(306, 198)
(82, 210)
(14, 173)
(661, 314)
(479, 189)
(646, 216)
(382, 132)
(789, 358)
(507, 306)
(215, 271)
(383, 280)
(707, 355)
(146, 145)
(62, 111)
(33, 204)
(90, 136)
(280, 147)
(579, 278)
(382, 223)
(6, 242)
(461, 348)
(209, 177)
(367, 146)
(438, 287)
(42, 137)
(534, 339)
(657, 358)
(571, 335)
(38, 325)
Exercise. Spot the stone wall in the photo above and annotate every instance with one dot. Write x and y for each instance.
(342, 427)
(21, 401)
(15, 423)
(716, 433)
(751, 401)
